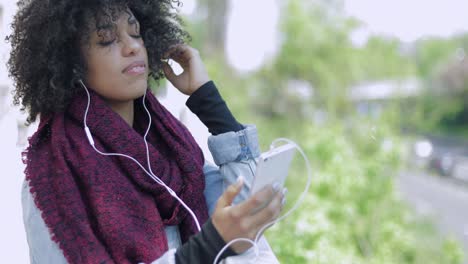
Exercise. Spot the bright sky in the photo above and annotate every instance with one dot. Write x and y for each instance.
(411, 19)
(252, 36)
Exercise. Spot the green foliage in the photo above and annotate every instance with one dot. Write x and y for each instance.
(317, 49)
(352, 213)
(430, 110)
(433, 53)
(443, 107)
(382, 59)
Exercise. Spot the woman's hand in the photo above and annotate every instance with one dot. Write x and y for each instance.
(244, 220)
(194, 75)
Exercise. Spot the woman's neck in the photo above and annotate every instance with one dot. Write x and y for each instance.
(125, 110)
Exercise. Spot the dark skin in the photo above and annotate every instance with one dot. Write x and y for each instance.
(108, 55)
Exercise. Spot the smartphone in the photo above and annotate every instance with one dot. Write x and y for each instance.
(273, 166)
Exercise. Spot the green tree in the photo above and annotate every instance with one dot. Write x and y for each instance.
(443, 106)
(317, 49)
(351, 214)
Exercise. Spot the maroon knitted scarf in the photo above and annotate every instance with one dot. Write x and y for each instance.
(102, 209)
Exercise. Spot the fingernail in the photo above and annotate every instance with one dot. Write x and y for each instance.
(283, 201)
(276, 186)
(240, 179)
(285, 191)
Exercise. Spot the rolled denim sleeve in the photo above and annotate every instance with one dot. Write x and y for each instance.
(235, 153)
(234, 146)
(213, 185)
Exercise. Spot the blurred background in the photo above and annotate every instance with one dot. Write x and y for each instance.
(376, 93)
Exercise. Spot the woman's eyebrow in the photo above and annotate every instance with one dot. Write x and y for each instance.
(132, 20)
(105, 27)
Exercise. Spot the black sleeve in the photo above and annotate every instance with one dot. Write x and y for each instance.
(211, 109)
(203, 247)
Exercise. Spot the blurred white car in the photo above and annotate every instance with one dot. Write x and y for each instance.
(460, 170)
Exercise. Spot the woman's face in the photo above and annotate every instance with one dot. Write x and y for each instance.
(117, 61)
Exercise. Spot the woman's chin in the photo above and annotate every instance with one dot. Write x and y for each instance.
(139, 88)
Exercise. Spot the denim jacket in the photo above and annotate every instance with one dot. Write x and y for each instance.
(233, 152)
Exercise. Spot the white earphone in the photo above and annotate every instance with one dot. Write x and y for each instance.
(150, 172)
(159, 181)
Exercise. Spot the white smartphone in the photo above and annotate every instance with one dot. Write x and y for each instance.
(273, 166)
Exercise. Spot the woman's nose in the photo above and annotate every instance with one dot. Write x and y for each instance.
(131, 45)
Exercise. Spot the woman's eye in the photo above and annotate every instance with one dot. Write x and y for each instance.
(106, 43)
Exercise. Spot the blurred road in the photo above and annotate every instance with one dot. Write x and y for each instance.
(442, 199)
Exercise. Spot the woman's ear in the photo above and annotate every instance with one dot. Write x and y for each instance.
(76, 78)
(77, 75)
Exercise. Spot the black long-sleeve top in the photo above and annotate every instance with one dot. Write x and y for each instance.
(211, 109)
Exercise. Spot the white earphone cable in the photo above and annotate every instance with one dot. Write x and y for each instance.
(162, 183)
(159, 181)
(298, 202)
(150, 172)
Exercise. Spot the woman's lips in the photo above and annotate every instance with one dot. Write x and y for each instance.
(135, 68)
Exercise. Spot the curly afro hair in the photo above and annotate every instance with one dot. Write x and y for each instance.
(45, 61)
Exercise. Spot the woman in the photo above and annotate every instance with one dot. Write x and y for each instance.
(86, 77)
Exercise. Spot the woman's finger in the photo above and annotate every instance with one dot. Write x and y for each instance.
(230, 193)
(259, 200)
(268, 213)
(170, 51)
(168, 71)
(180, 53)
